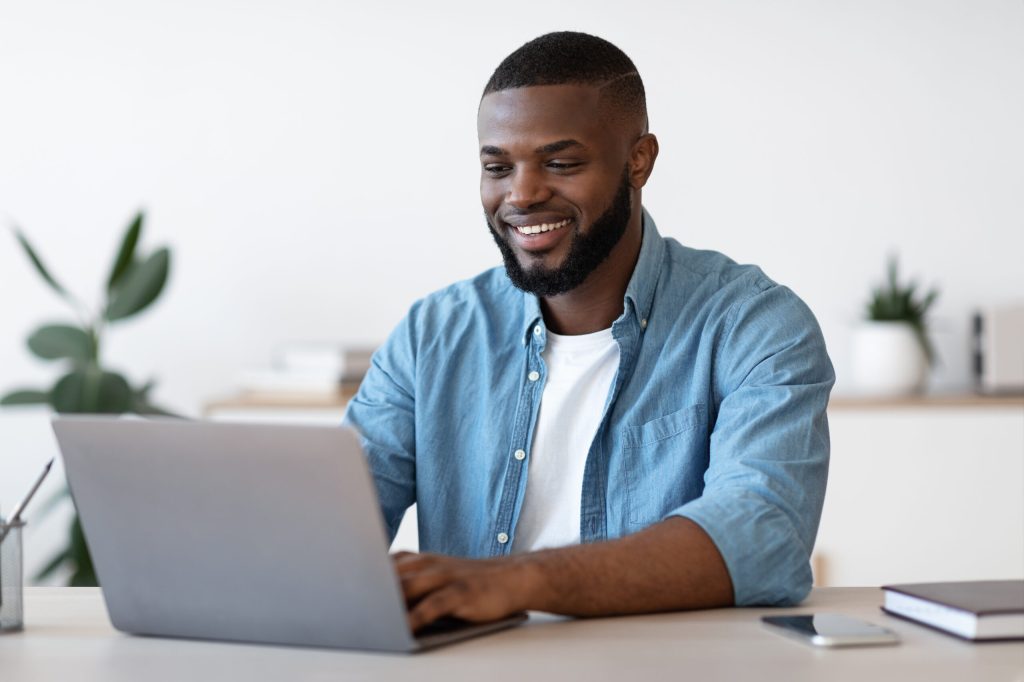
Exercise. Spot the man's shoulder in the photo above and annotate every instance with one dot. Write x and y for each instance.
(489, 292)
(712, 274)
(711, 286)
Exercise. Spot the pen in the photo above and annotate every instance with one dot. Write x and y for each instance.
(24, 503)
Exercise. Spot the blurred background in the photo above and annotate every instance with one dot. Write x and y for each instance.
(313, 167)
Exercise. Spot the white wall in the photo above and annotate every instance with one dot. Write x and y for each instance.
(313, 164)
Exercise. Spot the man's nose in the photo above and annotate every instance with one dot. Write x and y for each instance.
(527, 189)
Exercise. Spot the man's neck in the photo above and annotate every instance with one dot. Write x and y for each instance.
(597, 302)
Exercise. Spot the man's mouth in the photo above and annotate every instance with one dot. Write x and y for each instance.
(542, 227)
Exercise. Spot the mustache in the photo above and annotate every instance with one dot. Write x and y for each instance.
(506, 214)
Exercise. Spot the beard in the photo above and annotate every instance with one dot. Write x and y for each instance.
(587, 250)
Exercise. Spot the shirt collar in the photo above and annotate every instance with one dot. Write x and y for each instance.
(531, 315)
(639, 291)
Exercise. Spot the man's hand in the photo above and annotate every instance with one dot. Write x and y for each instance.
(477, 590)
(669, 566)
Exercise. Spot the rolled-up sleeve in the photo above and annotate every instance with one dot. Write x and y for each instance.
(383, 412)
(769, 448)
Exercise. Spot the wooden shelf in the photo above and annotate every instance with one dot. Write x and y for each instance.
(283, 401)
(299, 401)
(973, 400)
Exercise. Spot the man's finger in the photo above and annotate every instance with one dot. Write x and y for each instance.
(439, 604)
(417, 584)
(404, 562)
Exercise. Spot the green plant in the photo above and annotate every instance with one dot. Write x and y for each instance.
(894, 302)
(87, 386)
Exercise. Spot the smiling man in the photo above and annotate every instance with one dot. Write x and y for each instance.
(611, 423)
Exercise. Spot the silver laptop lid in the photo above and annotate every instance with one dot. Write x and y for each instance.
(246, 532)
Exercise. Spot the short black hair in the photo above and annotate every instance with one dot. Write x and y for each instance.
(572, 58)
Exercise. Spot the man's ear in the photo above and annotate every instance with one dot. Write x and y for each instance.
(641, 160)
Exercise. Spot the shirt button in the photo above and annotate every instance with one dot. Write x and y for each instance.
(502, 538)
(520, 455)
(537, 330)
(533, 376)
(643, 323)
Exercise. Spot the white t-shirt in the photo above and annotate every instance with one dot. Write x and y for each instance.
(580, 373)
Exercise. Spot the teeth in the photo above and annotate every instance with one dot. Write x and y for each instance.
(543, 227)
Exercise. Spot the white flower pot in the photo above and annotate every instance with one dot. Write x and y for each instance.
(888, 359)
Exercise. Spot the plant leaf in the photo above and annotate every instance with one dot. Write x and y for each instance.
(53, 564)
(142, 393)
(56, 341)
(928, 301)
(38, 263)
(893, 269)
(126, 254)
(894, 302)
(146, 408)
(139, 286)
(142, 405)
(84, 574)
(25, 396)
(90, 390)
(43, 509)
(926, 344)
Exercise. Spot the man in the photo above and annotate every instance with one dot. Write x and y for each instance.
(612, 423)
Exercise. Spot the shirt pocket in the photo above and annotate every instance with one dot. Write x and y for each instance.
(664, 462)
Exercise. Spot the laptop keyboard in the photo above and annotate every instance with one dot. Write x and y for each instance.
(443, 626)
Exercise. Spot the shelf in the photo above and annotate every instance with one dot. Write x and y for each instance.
(299, 401)
(926, 401)
(286, 401)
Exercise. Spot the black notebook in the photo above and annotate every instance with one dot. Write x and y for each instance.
(976, 610)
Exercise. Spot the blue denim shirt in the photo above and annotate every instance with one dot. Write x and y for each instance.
(716, 414)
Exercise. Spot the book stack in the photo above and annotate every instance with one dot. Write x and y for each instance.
(978, 610)
(308, 369)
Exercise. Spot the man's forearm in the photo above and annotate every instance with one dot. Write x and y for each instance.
(670, 566)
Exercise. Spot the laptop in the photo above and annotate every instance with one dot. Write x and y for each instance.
(240, 532)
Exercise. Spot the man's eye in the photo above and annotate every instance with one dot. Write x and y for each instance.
(495, 168)
(563, 165)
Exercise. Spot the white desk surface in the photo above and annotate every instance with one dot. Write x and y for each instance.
(68, 637)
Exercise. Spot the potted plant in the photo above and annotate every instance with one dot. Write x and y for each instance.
(87, 385)
(891, 349)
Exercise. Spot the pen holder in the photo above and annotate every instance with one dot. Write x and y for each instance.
(11, 612)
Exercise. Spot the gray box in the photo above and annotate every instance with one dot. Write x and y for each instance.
(999, 349)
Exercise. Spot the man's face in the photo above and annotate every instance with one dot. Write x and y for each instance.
(554, 183)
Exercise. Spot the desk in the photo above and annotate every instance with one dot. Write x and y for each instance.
(68, 637)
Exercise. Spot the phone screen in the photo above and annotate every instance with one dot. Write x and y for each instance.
(832, 629)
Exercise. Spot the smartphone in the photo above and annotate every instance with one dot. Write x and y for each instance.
(831, 630)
